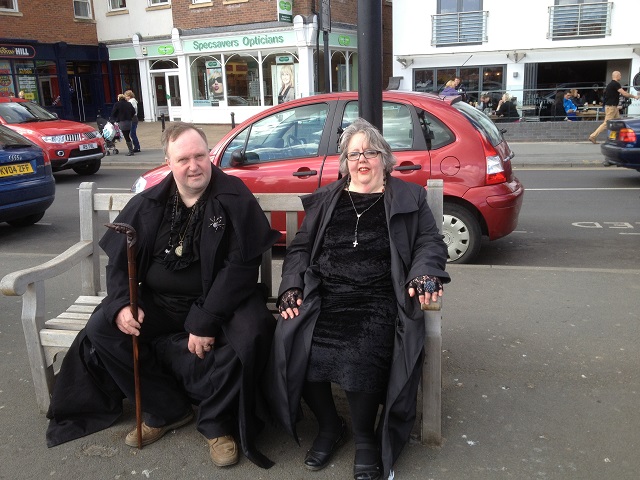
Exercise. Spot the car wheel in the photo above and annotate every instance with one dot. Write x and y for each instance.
(26, 221)
(88, 168)
(462, 234)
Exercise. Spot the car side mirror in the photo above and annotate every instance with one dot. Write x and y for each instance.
(238, 158)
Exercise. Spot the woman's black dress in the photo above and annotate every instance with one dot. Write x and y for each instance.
(353, 337)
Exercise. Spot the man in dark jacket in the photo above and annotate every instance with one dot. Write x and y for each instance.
(203, 326)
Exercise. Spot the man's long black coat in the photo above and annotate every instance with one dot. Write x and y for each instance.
(416, 249)
(235, 233)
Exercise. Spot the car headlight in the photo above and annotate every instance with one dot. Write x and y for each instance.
(54, 139)
(139, 185)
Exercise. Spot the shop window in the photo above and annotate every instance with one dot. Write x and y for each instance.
(9, 5)
(82, 8)
(27, 86)
(423, 80)
(286, 135)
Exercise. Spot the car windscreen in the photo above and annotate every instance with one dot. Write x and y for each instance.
(480, 121)
(24, 112)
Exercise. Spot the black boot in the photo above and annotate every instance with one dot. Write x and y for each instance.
(130, 147)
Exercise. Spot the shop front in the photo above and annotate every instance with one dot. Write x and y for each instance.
(229, 77)
(65, 79)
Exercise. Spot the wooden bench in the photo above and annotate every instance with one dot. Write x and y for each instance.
(48, 339)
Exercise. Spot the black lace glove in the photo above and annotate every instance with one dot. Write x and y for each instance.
(426, 284)
(289, 299)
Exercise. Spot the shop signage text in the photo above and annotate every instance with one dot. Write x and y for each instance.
(17, 51)
(245, 41)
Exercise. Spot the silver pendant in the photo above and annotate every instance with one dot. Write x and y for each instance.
(179, 250)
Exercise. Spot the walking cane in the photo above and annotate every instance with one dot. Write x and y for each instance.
(133, 302)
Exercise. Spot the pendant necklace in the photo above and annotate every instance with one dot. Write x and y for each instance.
(358, 215)
(179, 248)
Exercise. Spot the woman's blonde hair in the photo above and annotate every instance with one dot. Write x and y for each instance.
(121, 96)
(450, 83)
(129, 94)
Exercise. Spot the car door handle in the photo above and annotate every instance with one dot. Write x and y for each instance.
(402, 168)
(305, 173)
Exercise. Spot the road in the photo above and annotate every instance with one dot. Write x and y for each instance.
(573, 218)
(540, 357)
(570, 217)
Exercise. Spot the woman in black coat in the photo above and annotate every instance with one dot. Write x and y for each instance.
(123, 113)
(353, 278)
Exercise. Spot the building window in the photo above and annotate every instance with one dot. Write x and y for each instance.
(117, 4)
(459, 22)
(9, 5)
(194, 2)
(155, 3)
(475, 80)
(82, 8)
(569, 19)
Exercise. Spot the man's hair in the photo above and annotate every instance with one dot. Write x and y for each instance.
(373, 137)
(175, 129)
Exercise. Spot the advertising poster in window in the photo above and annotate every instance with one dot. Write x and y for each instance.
(6, 81)
(285, 83)
(215, 86)
(27, 87)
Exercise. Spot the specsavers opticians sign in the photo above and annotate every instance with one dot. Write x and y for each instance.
(264, 40)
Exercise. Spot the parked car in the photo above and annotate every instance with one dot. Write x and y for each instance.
(622, 147)
(27, 186)
(293, 147)
(68, 144)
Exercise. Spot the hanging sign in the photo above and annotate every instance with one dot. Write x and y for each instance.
(285, 11)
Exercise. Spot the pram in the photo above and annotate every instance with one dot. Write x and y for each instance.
(111, 134)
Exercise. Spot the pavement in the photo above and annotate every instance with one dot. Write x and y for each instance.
(527, 154)
(540, 380)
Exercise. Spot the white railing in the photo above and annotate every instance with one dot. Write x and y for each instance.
(459, 28)
(580, 20)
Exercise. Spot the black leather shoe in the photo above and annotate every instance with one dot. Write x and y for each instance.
(363, 469)
(316, 459)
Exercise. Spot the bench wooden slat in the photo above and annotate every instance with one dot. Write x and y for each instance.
(81, 308)
(75, 324)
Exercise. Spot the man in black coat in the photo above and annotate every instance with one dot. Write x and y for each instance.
(203, 326)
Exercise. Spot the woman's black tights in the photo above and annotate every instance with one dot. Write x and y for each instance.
(363, 408)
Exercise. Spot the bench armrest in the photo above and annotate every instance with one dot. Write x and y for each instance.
(16, 283)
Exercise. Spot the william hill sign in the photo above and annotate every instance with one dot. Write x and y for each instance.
(17, 51)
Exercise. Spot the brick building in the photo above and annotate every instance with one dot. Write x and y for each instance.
(63, 69)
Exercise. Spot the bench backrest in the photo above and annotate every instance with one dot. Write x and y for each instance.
(94, 204)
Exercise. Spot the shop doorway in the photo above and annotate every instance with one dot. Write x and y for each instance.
(166, 91)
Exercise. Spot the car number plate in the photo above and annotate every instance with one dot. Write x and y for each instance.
(17, 169)
(88, 146)
(613, 134)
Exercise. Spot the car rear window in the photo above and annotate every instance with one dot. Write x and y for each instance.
(10, 138)
(480, 121)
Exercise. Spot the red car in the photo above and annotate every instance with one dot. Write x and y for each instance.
(293, 147)
(67, 144)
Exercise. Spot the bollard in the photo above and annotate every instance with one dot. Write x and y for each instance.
(233, 120)
(162, 120)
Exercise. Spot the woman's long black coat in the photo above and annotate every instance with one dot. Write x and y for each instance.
(416, 249)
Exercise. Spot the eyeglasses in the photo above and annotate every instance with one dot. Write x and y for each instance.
(369, 154)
